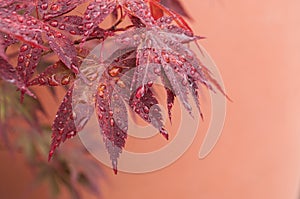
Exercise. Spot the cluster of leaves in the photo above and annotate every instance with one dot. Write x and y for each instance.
(154, 44)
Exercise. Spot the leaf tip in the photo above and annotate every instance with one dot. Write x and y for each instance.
(164, 133)
(51, 152)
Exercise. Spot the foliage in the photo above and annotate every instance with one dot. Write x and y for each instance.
(153, 45)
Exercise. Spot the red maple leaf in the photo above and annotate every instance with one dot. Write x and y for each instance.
(154, 46)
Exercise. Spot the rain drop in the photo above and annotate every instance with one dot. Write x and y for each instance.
(54, 7)
(34, 21)
(121, 84)
(29, 56)
(74, 68)
(184, 82)
(89, 25)
(112, 122)
(44, 6)
(73, 32)
(52, 81)
(46, 28)
(140, 92)
(54, 23)
(87, 17)
(102, 87)
(29, 23)
(146, 110)
(51, 154)
(65, 80)
(60, 131)
(102, 108)
(62, 27)
(91, 7)
(150, 84)
(41, 80)
(58, 35)
(20, 19)
(71, 134)
(27, 63)
(96, 14)
(92, 76)
(20, 59)
(115, 71)
(73, 115)
(24, 48)
(193, 71)
(157, 70)
(101, 94)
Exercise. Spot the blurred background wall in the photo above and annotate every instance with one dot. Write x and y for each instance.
(256, 46)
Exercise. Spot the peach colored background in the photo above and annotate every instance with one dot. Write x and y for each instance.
(256, 46)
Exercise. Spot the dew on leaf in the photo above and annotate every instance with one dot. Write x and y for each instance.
(27, 63)
(62, 27)
(58, 35)
(146, 109)
(140, 92)
(20, 59)
(54, 23)
(21, 19)
(112, 122)
(24, 48)
(115, 71)
(44, 6)
(87, 17)
(88, 25)
(54, 7)
(102, 109)
(91, 7)
(150, 84)
(65, 80)
(41, 80)
(121, 84)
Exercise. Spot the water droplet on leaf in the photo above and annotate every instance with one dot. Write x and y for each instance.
(115, 71)
(20, 59)
(54, 7)
(54, 23)
(140, 92)
(24, 48)
(44, 6)
(65, 80)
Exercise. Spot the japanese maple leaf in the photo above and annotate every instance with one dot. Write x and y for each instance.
(54, 75)
(21, 27)
(171, 56)
(156, 48)
(51, 9)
